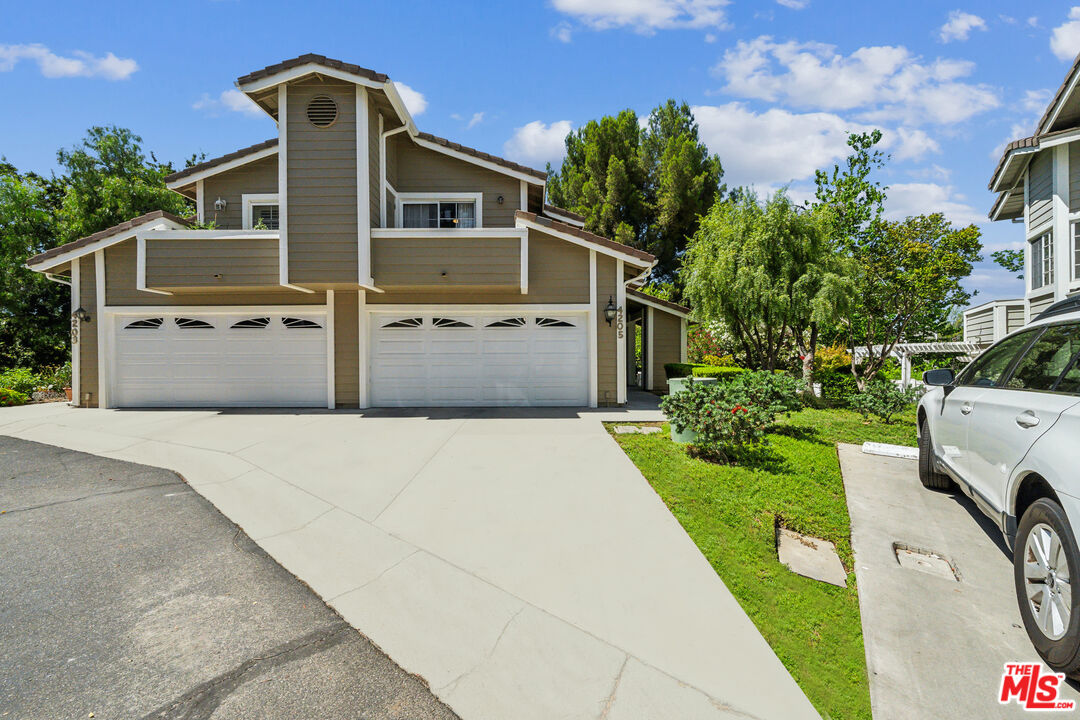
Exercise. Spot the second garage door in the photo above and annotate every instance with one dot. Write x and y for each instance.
(510, 358)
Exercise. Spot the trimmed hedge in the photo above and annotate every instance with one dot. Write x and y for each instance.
(720, 373)
(9, 397)
(680, 370)
(836, 386)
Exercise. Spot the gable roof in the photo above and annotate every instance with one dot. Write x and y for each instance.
(116, 231)
(648, 299)
(554, 226)
(479, 154)
(558, 213)
(312, 59)
(218, 161)
(1060, 96)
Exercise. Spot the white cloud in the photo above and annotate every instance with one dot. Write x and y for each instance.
(538, 143)
(646, 16)
(415, 102)
(710, 37)
(959, 26)
(81, 64)
(913, 144)
(228, 100)
(562, 32)
(475, 120)
(1065, 38)
(794, 4)
(906, 199)
(1033, 21)
(887, 84)
(1035, 101)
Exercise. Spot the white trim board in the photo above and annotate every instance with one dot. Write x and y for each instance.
(313, 309)
(449, 232)
(363, 190)
(594, 357)
(283, 186)
(104, 360)
(76, 346)
(485, 309)
(330, 354)
(620, 335)
(602, 249)
(223, 167)
(157, 223)
(657, 306)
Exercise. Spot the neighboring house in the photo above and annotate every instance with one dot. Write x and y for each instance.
(355, 261)
(985, 324)
(1038, 184)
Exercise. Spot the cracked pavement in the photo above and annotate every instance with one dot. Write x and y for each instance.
(125, 594)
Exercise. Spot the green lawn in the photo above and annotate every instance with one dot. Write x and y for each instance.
(731, 512)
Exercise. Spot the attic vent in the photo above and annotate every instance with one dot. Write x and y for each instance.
(322, 111)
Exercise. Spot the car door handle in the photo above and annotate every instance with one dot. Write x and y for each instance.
(966, 408)
(1027, 419)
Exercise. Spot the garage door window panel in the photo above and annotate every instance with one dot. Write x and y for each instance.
(514, 322)
(186, 323)
(414, 322)
(300, 324)
(145, 324)
(252, 324)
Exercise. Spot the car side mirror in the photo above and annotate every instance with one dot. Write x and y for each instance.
(944, 377)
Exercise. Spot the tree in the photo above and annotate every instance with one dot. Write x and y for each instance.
(109, 181)
(768, 272)
(644, 187)
(905, 275)
(33, 310)
(1011, 260)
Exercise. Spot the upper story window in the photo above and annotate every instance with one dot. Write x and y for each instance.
(446, 212)
(261, 212)
(1042, 260)
(1076, 250)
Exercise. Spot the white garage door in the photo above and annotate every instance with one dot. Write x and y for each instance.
(450, 359)
(210, 360)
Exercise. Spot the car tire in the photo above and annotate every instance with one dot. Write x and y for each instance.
(1060, 646)
(928, 474)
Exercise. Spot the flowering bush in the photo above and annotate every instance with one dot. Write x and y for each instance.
(732, 415)
(834, 357)
(883, 398)
(10, 397)
(701, 342)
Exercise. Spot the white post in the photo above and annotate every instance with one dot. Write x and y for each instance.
(330, 354)
(593, 357)
(283, 185)
(905, 370)
(104, 357)
(650, 353)
(362, 351)
(1062, 256)
(76, 361)
(620, 334)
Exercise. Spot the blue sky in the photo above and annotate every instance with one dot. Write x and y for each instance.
(774, 83)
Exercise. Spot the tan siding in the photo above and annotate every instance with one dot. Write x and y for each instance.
(391, 170)
(606, 335)
(239, 262)
(346, 349)
(322, 186)
(88, 351)
(979, 326)
(1040, 189)
(257, 177)
(1039, 304)
(1014, 319)
(667, 344)
(374, 172)
(120, 288)
(558, 273)
(458, 262)
(423, 170)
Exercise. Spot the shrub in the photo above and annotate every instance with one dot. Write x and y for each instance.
(834, 357)
(882, 398)
(719, 361)
(9, 398)
(729, 416)
(61, 376)
(837, 387)
(701, 342)
(720, 373)
(679, 370)
(21, 380)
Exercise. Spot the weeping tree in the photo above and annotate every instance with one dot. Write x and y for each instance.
(769, 273)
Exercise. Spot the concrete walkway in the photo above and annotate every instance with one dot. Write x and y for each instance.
(935, 646)
(515, 559)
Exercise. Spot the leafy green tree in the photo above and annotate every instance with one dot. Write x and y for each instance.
(33, 310)
(644, 187)
(768, 273)
(109, 180)
(905, 276)
(1011, 260)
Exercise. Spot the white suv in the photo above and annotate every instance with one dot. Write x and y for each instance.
(1007, 431)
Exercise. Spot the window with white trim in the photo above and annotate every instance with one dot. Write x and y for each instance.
(261, 212)
(1076, 250)
(1042, 260)
(446, 214)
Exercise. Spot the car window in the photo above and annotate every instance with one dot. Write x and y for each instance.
(988, 369)
(1046, 359)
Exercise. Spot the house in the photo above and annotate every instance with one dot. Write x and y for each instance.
(355, 261)
(985, 324)
(1037, 182)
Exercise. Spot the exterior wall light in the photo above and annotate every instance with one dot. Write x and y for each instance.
(499, 199)
(81, 315)
(610, 311)
(220, 204)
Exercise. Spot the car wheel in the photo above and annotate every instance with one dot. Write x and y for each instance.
(1043, 562)
(928, 475)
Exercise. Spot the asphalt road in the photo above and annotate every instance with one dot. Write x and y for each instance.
(125, 594)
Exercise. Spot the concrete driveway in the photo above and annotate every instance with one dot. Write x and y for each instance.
(124, 595)
(936, 642)
(515, 559)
